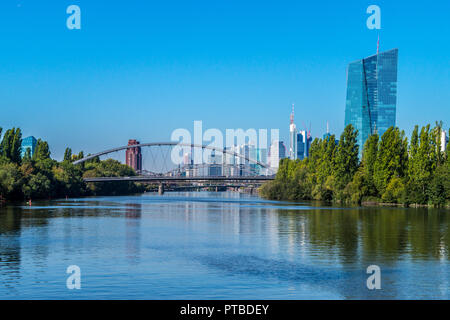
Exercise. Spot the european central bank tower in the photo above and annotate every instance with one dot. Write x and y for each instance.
(372, 94)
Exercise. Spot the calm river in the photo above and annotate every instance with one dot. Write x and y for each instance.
(207, 245)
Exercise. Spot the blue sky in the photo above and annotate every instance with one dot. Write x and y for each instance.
(140, 69)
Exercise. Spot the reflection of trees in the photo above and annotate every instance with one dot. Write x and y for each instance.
(429, 233)
(10, 255)
(383, 234)
(336, 230)
(357, 237)
(14, 223)
(379, 233)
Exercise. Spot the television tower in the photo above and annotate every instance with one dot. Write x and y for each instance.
(292, 114)
(378, 44)
(292, 137)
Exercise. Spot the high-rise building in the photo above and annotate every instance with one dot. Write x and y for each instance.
(301, 144)
(444, 141)
(277, 152)
(186, 159)
(133, 156)
(372, 94)
(327, 134)
(230, 161)
(214, 164)
(292, 137)
(261, 156)
(243, 163)
(304, 140)
(308, 143)
(28, 143)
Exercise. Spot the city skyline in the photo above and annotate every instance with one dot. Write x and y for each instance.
(74, 88)
(207, 152)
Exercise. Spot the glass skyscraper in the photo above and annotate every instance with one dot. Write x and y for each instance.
(372, 94)
(28, 143)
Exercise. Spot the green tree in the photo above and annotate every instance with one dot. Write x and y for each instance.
(68, 154)
(42, 151)
(392, 158)
(325, 154)
(10, 181)
(421, 164)
(355, 191)
(346, 163)
(11, 145)
(395, 191)
(38, 186)
(440, 156)
(110, 168)
(369, 157)
(27, 155)
(68, 178)
(439, 188)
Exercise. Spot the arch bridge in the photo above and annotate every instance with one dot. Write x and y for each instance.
(232, 168)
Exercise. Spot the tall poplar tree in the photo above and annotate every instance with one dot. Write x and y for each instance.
(11, 145)
(68, 154)
(346, 157)
(369, 157)
(42, 151)
(392, 158)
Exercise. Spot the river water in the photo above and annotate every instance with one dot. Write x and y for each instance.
(220, 245)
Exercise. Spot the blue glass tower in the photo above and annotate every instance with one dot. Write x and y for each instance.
(300, 145)
(372, 94)
(28, 142)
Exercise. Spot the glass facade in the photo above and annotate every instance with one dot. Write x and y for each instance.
(372, 94)
(28, 142)
(300, 145)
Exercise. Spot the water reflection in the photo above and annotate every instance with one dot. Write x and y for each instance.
(133, 213)
(10, 247)
(280, 250)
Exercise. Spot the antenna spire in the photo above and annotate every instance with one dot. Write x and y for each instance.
(292, 114)
(378, 44)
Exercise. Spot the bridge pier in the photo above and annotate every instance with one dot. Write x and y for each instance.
(161, 189)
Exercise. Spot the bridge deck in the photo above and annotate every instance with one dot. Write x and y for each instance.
(181, 178)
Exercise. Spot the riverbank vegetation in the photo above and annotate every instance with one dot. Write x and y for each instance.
(391, 170)
(41, 177)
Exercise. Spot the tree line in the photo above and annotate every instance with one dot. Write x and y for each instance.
(38, 176)
(391, 170)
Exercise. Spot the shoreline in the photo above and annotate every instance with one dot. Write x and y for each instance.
(4, 203)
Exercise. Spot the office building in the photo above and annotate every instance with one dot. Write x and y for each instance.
(372, 94)
(28, 143)
(277, 152)
(444, 141)
(292, 137)
(301, 144)
(304, 140)
(133, 156)
(214, 164)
